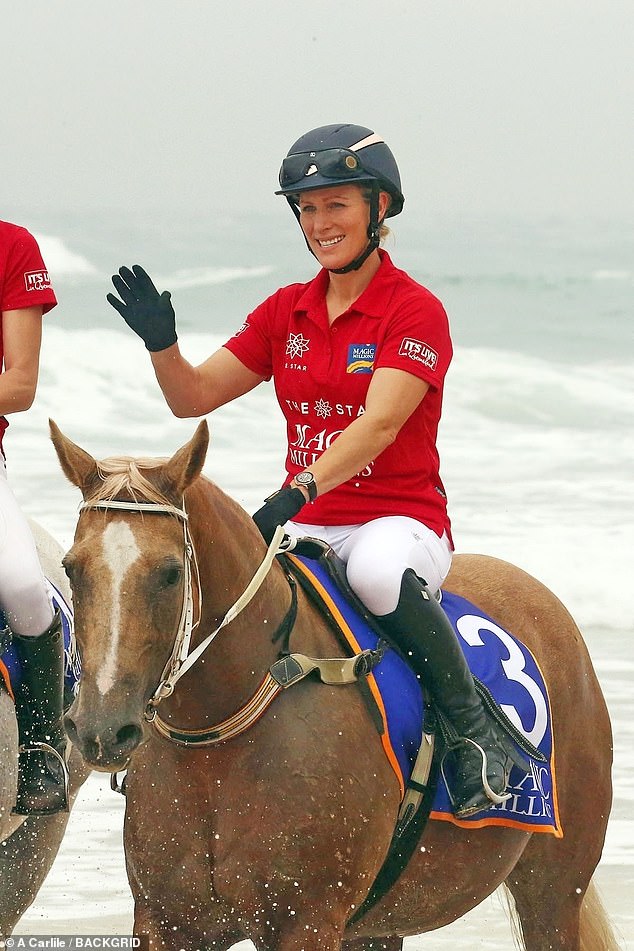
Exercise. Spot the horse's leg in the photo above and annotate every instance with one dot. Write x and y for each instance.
(27, 855)
(303, 936)
(294, 937)
(25, 860)
(163, 935)
(579, 924)
(596, 931)
(373, 944)
(548, 919)
(552, 877)
(557, 906)
(8, 760)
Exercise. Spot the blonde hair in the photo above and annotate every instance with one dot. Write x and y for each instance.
(384, 230)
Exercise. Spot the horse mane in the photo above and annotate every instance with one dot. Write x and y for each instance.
(122, 474)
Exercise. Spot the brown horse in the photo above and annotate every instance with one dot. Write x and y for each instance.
(276, 834)
(28, 845)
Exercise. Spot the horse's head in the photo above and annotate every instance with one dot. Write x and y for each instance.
(127, 570)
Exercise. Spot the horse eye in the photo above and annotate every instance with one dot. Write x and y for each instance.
(171, 576)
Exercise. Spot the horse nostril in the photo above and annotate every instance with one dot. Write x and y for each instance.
(91, 751)
(129, 736)
(110, 746)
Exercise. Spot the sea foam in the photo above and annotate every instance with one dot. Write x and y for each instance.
(60, 260)
(547, 484)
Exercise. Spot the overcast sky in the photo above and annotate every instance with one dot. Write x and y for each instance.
(489, 105)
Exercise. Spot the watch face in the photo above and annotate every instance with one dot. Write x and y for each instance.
(304, 478)
(307, 479)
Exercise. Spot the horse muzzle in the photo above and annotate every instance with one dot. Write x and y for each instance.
(105, 739)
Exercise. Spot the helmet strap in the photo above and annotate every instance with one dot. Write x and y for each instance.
(374, 233)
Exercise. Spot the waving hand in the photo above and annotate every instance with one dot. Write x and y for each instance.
(147, 312)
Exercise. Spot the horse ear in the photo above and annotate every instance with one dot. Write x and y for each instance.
(186, 463)
(79, 466)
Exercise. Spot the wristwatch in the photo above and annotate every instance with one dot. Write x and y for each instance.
(307, 480)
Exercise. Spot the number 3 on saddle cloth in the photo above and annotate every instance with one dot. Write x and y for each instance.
(496, 658)
(10, 664)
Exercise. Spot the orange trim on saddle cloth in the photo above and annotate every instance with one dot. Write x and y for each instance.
(355, 646)
(4, 673)
(505, 821)
(559, 832)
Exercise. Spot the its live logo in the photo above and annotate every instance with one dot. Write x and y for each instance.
(419, 351)
(36, 280)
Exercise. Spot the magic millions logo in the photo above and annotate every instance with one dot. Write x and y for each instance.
(361, 357)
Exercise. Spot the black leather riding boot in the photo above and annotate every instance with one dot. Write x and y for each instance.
(483, 756)
(42, 772)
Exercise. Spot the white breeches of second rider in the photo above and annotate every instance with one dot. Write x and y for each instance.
(377, 553)
(24, 594)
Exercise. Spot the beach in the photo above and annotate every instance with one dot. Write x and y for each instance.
(536, 450)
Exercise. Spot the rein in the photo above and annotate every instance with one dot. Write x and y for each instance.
(289, 669)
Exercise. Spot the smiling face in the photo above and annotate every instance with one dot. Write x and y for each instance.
(335, 222)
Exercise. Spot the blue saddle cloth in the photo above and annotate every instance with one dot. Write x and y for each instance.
(72, 667)
(500, 661)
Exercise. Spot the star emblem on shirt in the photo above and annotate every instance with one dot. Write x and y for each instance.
(296, 345)
(323, 408)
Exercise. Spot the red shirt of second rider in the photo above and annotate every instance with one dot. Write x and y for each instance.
(322, 373)
(24, 280)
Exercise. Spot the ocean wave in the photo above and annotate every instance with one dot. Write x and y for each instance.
(549, 487)
(60, 260)
(612, 275)
(536, 279)
(205, 276)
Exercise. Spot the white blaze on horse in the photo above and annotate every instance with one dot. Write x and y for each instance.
(276, 833)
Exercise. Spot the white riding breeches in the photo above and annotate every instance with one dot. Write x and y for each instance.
(377, 553)
(24, 594)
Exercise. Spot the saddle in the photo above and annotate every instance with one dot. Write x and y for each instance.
(322, 575)
(313, 559)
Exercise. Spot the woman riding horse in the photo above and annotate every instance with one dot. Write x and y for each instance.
(359, 357)
(272, 824)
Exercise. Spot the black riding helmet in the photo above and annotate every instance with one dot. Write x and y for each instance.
(343, 153)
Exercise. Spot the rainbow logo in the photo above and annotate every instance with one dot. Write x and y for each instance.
(361, 357)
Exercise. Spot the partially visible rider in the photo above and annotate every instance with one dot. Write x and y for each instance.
(25, 295)
(358, 356)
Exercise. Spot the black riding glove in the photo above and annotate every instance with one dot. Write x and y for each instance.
(277, 510)
(147, 312)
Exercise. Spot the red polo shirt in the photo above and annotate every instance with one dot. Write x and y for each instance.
(24, 279)
(322, 373)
